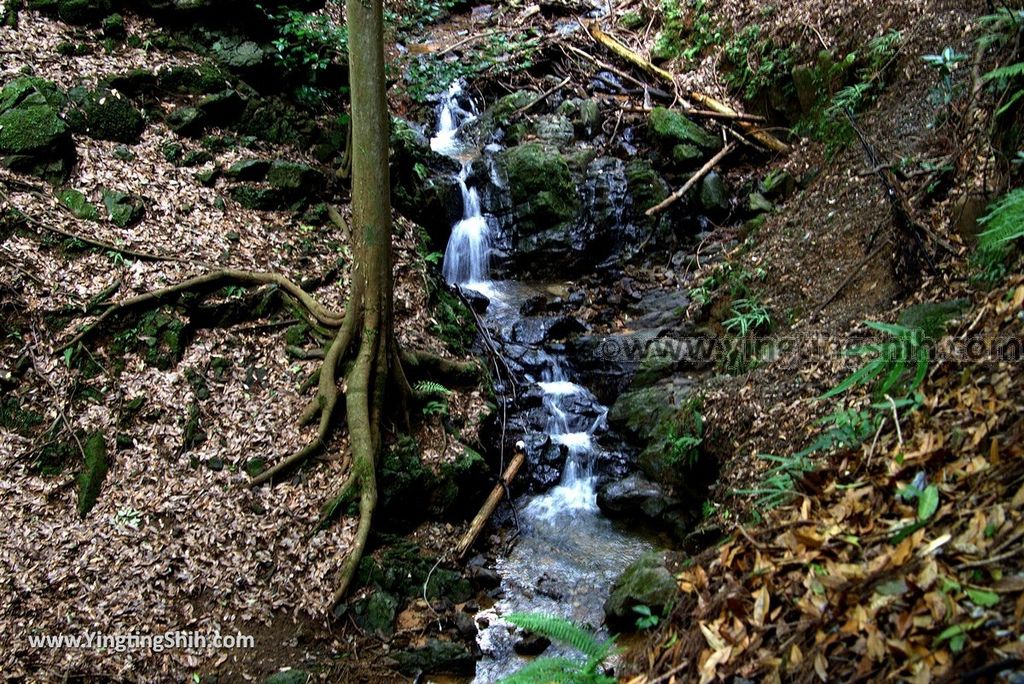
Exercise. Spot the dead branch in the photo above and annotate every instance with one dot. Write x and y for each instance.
(758, 134)
(543, 96)
(493, 499)
(675, 196)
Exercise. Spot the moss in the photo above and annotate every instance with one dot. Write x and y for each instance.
(253, 196)
(78, 205)
(30, 128)
(187, 121)
(83, 11)
(21, 88)
(646, 187)
(645, 582)
(295, 176)
(248, 170)
(122, 209)
(107, 115)
(542, 186)
(931, 318)
(454, 322)
(113, 26)
(195, 158)
(674, 128)
(16, 418)
(192, 80)
(94, 470)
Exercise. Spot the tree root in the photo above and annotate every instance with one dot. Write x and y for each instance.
(207, 282)
(423, 364)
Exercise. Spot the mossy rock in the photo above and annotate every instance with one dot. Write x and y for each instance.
(186, 121)
(78, 205)
(33, 137)
(172, 151)
(105, 115)
(461, 485)
(646, 186)
(123, 209)
(161, 338)
(673, 128)
(207, 177)
(193, 80)
(221, 109)
(713, 195)
(195, 158)
(277, 121)
(646, 582)
(23, 87)
(132, 83)
(300, 178)
(376, 613)
(758, 203)
(686, 155)
(248, 170)
(14, 417)
(239, 54)
(253, 196)
(292, 676)
(113, 27)
(502, 110)
(94, 470)
(437, 657)
(70, 49)
(83, 12)
(554, 129)
(543, 190)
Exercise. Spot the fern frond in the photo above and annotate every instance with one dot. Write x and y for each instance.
(1004, 221)
(563, 631)
(427, 388)
(554, 671)
(1005, 73)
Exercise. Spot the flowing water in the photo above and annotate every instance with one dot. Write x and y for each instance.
(568, 555)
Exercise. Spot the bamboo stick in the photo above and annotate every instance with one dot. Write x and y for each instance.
(674, 197)
(493, 499)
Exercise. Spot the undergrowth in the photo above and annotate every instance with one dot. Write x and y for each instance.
(548, 669)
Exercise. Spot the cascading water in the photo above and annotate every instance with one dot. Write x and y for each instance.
(466, 257)
(568, 555)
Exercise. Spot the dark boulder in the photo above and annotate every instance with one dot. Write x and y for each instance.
(105, 115)
(646, 582)
(33, 137)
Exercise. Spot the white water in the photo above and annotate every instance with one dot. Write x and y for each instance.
(564, 536)
(466, 259)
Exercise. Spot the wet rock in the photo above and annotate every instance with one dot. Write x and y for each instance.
(555, 129)
(672, 128)
(465, 625)
(633, 496)
(33, 137)
(123, 209)
(423, 183)
(482, 577)
(104, 115)
(531, 644)
(542, 188)
(437, 657)
(644, 583)
(713, 195)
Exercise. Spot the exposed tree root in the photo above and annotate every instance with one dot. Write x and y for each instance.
(205, 283)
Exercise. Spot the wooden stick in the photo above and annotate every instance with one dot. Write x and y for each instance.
(674, 197)
(761, 136)
(540, 98)
(477, 526)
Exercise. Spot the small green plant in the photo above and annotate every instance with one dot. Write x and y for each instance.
(435, 407)
(426, 75)
(646, 619)
(748, 316)
(779, 483)
(898, 366)
(1003, 225)
(945, 63)
(546, 670)
(309, 41)
(427, 388)
(757, 63)
(128, 517)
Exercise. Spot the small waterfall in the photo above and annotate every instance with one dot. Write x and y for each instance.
(466, 257)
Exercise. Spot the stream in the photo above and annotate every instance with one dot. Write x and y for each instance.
(567, 555)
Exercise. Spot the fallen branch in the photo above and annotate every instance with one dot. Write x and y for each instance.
(675, 196)
(853, 274)
(543, 96)
(481, 518)
(761, 136)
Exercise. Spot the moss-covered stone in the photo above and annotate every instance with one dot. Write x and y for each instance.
(33, 136)
(713, 195)
(186, 121)
(172, 151)
(437, 657)
(78, 205)
(376, 613)
(252, 196)
(94, 470)
(132, 83)
(105, 115)
(543, 190)
(195, 158)
(113, 27)
(207, 177)
(192, 80)
(83, 11)
(298, 177)
(646, 187)
(15, 417)
(673, 128)
(239, 54)
(248, 170)
(646, 582)
(221, 109)
(123, 209)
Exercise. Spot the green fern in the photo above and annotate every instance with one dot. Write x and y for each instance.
(546, 670)
(1000, 27)
(1004, 222)
(898, 365)
(427, 388)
